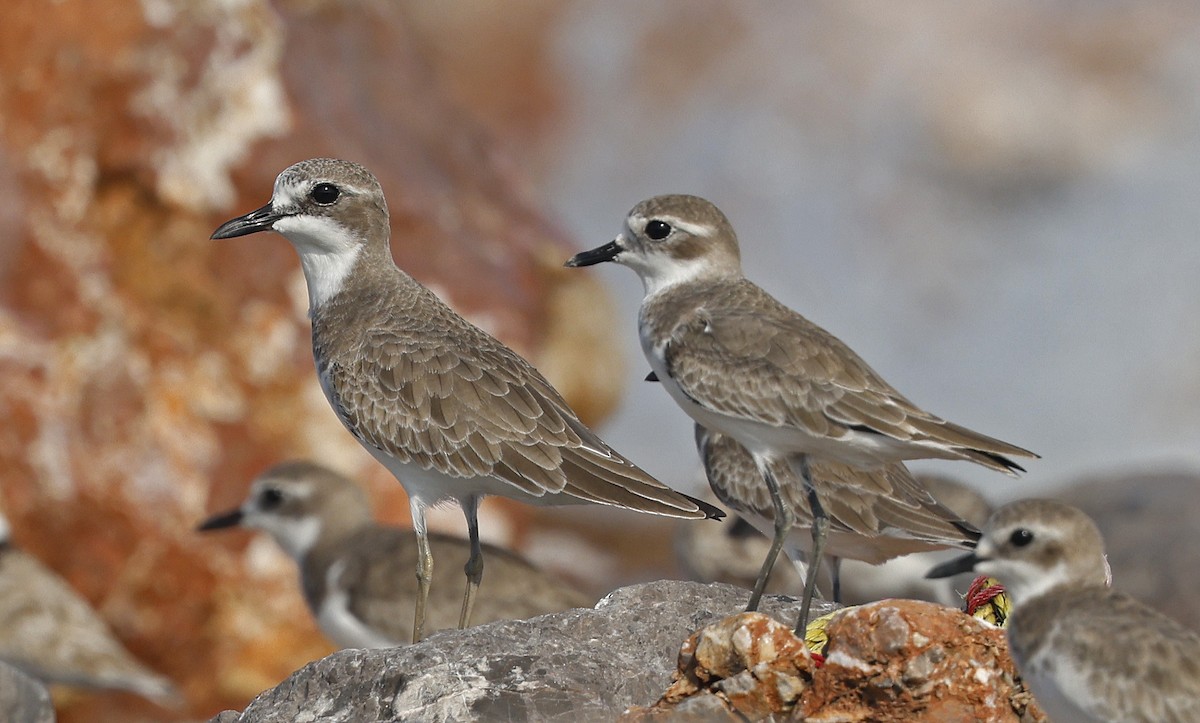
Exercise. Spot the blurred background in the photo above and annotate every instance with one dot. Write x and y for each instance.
(996, 206)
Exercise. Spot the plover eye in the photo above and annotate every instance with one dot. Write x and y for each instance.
(658, 230)
(324, 193)
(1021, 537)
(270, 498)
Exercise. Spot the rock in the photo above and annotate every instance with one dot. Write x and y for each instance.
(1132, 510)
(23, 699)
(905, 660)
(894, 660)
(576, 665)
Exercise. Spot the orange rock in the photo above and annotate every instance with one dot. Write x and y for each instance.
(896, 660)
(147, 373)
(747, 665)
(906, 660)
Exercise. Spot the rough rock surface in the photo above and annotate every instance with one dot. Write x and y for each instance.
(894, 660)
(23, 699)
(576, 665)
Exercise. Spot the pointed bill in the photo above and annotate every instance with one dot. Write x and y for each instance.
(232, 518)
(599, 255)
(950, 568)
(258, 220)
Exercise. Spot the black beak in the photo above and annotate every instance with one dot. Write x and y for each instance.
(232, 518)
(253, 222)
(965, 563)
(607, 252)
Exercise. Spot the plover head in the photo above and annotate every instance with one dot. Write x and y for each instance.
(1034, 547)
(330, 210)
(297, 503)
(671, 239)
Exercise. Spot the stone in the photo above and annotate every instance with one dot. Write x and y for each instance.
(890, 661)
(577, 665)
(23, 699)
(907, 660)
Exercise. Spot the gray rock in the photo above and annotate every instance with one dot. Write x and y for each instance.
(23, 699)
(576, 665)
(1151, 536)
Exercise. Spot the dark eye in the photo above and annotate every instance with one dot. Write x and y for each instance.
(270, 498)
(658, 230)
(1021, 537)
(325, 193)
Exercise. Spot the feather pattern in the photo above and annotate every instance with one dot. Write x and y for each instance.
(737, 352)
(875, 514)
(460, 403)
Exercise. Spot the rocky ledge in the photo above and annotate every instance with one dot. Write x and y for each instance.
(896, 660)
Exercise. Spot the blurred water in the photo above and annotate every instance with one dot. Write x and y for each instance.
(1005, 228)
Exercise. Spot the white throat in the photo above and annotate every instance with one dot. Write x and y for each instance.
(328, 252)
(659, 271)
(296, 536)
(1025, 581)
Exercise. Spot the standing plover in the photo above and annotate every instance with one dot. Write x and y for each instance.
(51, 633)
(449, 410)
(357, 575)
(874, 515)
(741, 363)
(1087, 652)
(904, 576)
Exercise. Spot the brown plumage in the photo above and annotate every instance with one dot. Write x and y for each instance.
(1088, 652)
(741, 363)
(356, 574)
(448, 409)
(875, 514)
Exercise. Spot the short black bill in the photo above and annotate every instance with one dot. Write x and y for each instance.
(964, 563)
(607, 252)
(253, 222)
(232, 518)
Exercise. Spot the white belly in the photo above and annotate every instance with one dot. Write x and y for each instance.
(339, 624)
(1060, 695)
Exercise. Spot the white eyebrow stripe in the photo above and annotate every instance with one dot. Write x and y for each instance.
(691, 229)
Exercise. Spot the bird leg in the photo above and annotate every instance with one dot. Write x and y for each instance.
(474, 566)
(424, 566)
(835, 577)
(783, 524)
(820, 530)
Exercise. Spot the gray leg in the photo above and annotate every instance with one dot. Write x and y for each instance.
(424, 566)
(835, 576)
(820, 531)
(474, 566)
(783, 524)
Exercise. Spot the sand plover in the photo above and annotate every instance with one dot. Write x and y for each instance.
(904, 576)
(51, 633)
(357, 575)
(741, 363)
(449, 410)
(1087, 652)
(875, 515)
